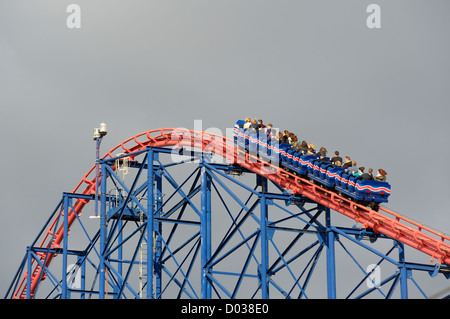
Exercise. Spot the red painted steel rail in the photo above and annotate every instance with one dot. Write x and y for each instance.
(384, 221)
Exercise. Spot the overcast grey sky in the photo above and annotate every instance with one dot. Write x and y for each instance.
(313, 67)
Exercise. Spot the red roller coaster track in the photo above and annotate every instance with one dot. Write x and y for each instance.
(384, 221)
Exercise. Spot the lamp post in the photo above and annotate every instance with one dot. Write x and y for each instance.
(98, 136)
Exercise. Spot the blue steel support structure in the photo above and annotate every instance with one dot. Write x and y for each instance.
(67, 204)
(205, 231)
(150, 219)
(158, 229)
(331, 261)
(194, 250)
(264, 241)
(403, 272)
(103, 234)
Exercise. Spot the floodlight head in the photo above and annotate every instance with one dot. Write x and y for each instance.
(96, 134)
(102, 129)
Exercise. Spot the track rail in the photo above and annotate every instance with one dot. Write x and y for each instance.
(394, 225)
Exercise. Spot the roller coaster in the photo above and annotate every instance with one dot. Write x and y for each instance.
(180, 218)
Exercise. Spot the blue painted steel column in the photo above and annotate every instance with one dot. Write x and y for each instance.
(97, 155)
(83, 279)
(264, 243)
(205, 231)
(331, 261)
(29, 272)
(66, 205)
(264, 249)
(158, 230)
(150, 222)
(403, 272)
(119, 257)
(208, 230)
(102, 275)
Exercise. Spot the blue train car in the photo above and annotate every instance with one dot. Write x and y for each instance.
(368, 192)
